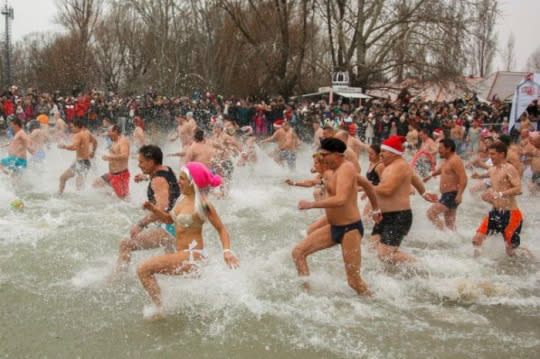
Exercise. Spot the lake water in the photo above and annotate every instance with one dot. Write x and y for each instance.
(56, 300)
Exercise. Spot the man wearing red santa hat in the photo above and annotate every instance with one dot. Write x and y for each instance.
(393, 198)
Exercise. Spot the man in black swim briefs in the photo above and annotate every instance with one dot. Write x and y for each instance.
(344, 224)
(452, 184)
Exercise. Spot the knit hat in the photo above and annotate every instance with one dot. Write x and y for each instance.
(333, 145)
(393, 144)
(200, 175)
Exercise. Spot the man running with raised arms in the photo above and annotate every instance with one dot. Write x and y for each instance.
(84, 144)
(505, 217)
(452, 184)
(393, 194)
(118, 157)
(163, 190)
(344, 221)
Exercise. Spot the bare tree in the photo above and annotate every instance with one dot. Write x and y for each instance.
(80, 18)
(276, 31)
(387, 40)
(509, 58)
(484, 38)
(533, 62)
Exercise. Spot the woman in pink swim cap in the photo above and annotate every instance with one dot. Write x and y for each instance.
(188, 215)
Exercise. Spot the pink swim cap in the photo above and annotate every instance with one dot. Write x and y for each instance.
(201, 175)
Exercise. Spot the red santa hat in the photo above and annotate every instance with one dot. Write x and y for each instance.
(393, 144)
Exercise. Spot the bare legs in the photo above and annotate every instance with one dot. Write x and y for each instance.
(391, 254)
(320, 239)
(170, 264)
(449, 215)
(69, 173)
(148, 239)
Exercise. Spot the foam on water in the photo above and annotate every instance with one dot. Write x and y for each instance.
(58, 254)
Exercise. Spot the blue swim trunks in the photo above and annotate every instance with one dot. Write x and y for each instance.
(14, 164)
(169, 228)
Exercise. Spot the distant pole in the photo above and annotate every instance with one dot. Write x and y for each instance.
(7, 11)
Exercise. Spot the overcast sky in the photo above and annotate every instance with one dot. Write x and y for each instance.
(520, 17)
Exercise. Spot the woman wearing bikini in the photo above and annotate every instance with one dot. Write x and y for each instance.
(188, 215)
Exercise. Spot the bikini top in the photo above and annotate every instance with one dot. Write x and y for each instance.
(185, 220)
(372, 176)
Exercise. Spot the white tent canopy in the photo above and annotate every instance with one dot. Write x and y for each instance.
(501, 84)
(343, 91)
(525, 93)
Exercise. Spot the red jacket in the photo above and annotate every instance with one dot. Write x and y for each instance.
(80, 109)
(9, 108)
(70, 112)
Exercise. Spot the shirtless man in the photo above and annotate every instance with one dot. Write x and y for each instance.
(17, 148)
(138, 134)
(225, 146)
(457, 134)
(317, 135)
(287, 142)
(513, 153)
(184, 131)
(344, 223)
(523, 143)
(393, 194)
(350, 155)
(59, 129)
(84, 144)
(249, 152)
(38, 137)
(355, 144)
(505, 217)
(412, 138)
(200, 150)
(533, 151)
(118, 157)
(452, 184)
(428, 145)
(163, 191)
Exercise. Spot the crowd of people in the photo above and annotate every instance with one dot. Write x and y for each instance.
(444, 140)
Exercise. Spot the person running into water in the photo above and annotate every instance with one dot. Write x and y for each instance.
(163, 191)
(39, 139)
(199, 151)
(425, 157)
(184, 131)
(188, 216)
(321, 177)
(393, 194)
(21, 143)
(374, 173)
(505, 216)
(287, 143)
(118, 158)
(533, 152)
(452, 184)
(84, 144)
(344, 223)
(349, 154)
(226, 146)
(138, 136)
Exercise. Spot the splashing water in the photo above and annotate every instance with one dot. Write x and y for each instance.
(57, 255)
